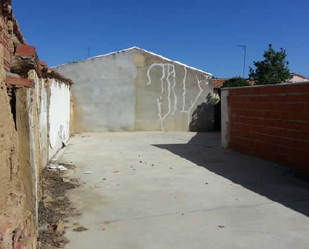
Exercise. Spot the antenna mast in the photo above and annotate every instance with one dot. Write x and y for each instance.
(245, 55)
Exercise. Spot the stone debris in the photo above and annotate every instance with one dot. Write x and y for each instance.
(55, 208)
(66, 179)
(62, 168)
(55, 167)
(80, 229)
(60, 227)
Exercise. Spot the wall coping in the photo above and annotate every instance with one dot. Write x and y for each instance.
(269, 85)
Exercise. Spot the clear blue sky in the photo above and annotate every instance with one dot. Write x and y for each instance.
(200, 33)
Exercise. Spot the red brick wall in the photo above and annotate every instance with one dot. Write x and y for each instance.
(271, 122)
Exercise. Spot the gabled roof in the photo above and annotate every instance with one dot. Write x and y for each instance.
(140, 49)
(299, 75)
(218, 82)
(51, 73)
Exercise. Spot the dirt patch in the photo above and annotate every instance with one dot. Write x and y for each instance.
(55, 208)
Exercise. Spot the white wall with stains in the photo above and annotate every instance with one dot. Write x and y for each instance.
(43, 123)
(59, 115)
(40, 92)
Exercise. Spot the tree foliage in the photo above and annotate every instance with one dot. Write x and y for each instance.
(274, 69)
(236, 82)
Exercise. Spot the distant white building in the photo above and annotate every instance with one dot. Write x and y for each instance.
(297, 78)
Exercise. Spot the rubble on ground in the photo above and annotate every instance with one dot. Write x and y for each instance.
(55, 207)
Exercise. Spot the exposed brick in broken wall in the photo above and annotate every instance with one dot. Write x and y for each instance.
(17, 221)
(22, 81)
(11, 35)
(16, 213)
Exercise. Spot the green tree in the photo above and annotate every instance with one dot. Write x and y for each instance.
(236, 82)
(274, 69)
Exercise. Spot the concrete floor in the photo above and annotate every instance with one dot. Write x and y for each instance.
(181, 190)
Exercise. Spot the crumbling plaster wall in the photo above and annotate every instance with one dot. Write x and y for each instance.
(137, 90)
(26, 138)
(59, 115)
(17, 216)
(24, 144)
(28, 112)
(40, 94)
(72, 127)
(17, 208)
(43, 124)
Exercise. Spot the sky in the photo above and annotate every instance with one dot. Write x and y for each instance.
(200, 33)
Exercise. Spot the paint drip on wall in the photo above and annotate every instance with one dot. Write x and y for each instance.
(168, 80)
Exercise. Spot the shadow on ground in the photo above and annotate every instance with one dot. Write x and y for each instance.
(281, 184)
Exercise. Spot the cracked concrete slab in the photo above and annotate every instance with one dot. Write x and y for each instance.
(181, 190)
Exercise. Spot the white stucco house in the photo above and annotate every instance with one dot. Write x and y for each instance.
(298, 78)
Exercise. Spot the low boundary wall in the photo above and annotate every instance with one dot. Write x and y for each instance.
(271, 122)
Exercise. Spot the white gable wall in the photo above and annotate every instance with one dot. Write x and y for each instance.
(135, 90)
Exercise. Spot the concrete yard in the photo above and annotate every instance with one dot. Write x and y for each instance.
(156, 190)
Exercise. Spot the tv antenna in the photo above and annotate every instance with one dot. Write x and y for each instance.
(88, 48)
(245, 55)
